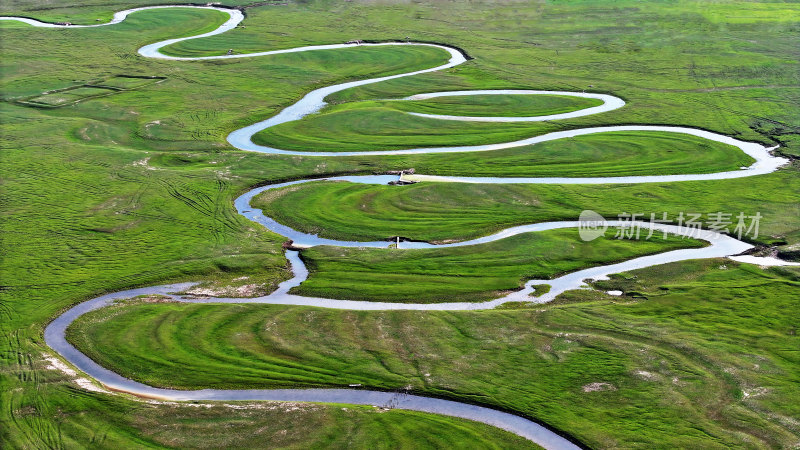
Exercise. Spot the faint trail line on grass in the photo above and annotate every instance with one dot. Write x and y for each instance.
(313, 102)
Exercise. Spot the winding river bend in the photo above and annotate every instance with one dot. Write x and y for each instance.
(719, 245)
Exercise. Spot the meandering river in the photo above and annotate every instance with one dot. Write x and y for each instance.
(314, 101)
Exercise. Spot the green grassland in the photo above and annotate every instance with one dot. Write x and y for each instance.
(441, 211)
(365, 126)
(61, 98)
(89, 13)
(470, 273)
(320, 427)
(136, 188)
(85, 212)
(108, 421)
(685, 359)
(508, 105)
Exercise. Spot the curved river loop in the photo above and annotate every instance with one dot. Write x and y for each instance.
(314, 101)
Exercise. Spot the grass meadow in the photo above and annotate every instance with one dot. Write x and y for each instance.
(682, 359)
(460, 211)
(136, 189)
(471, 273)
(497, 105)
